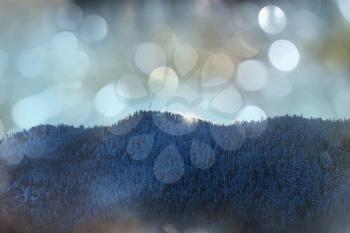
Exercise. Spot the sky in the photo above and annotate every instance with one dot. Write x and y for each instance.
(84, 63)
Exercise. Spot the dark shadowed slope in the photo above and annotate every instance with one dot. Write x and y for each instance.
(286, 174)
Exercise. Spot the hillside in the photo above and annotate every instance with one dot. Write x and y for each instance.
(285, 174)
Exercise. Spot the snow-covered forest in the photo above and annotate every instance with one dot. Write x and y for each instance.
(285, 174)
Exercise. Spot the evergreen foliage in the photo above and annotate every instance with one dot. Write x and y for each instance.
(286, 174)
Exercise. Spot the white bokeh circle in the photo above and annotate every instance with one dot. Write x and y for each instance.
(284, 55)
(272, 19)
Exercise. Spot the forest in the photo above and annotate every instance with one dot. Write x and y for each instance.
(280, 175)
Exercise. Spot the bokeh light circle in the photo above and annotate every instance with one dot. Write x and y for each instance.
(32, 63)
(130, 86)
(34, 110)
(107, 103)
(163, 81)
(227, 101)
(201, 154)
(272, 19)
(53, 44)
(94, 28)
(252, 75)
(169, 165)
(149, 56)
(140, 146)
(251, 113)
(65, 45)
(217, 69)
(284, 55)
(185, 58)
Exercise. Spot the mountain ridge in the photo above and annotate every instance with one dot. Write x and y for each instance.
(286, 174)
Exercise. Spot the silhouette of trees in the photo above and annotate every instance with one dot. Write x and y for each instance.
(286, 174)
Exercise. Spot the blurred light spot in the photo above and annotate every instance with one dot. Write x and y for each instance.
(344, 7)
(168, 228)
(65, 45)
(185, 58)
(35, 110)
(170, 125)
(251, 113)
(149, 56)
(140, 146)
(227, 101)
(284, 55)
(163, 81)
(3, 62)
(252, 75)
(189, 117)
(217, 69)
(130, 86)
(94, 28)
(107, 103)
(69, 16)
(272, 19)
(202, 155)
(169, 165)
(32, 63)
(164, 36)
